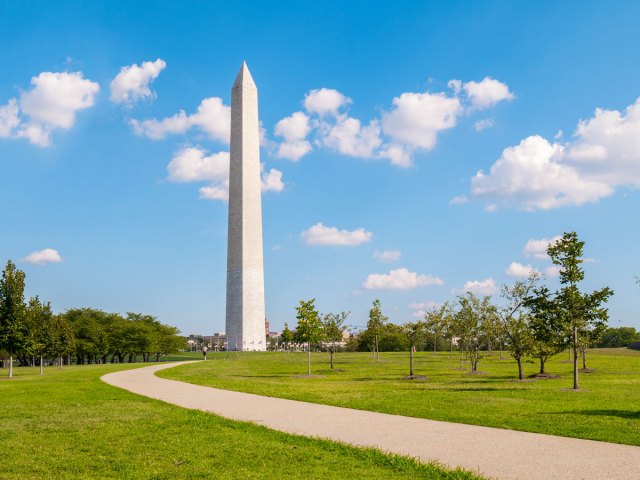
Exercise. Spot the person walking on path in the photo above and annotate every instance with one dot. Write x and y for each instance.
(204, 352)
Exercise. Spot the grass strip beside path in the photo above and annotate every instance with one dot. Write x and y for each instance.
(70, 425)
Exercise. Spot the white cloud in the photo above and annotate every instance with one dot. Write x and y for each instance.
(481, 287)
(218, 191)
(537, 248)
(294, 129)
(193, 165)
(417, 118)
(458, 200)
(517, 270)
(421, 309)
(486, 93)
(399, 279)
(319, 234)
(532, 176)
(483, 124)
(271, 181)
(132, 83)
(349, 137)
(603, 155)
(51, 103)
(387, 256)
(41, 257)
(212, 117)
(9, 118)
(324, 101)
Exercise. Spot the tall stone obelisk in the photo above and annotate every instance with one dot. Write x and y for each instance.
(245, 268)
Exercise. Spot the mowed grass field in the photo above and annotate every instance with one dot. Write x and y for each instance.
(70, 425)
(607, 408)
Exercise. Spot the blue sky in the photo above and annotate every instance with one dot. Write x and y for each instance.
(377, 119)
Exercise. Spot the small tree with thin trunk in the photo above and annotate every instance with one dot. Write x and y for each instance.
(415, 332)
(435, 323)
(515, 319)
(577, 311)
(39, 318)
(310, 328)
(375, 327)
(13, 328)
(333, 330)
(287, 336)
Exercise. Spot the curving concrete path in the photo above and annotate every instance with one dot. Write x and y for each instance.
(492, 452)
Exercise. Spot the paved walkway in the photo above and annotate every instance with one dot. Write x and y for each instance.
(492, 452)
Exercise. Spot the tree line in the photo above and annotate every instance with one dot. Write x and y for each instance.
(529, 320)
(31, 334)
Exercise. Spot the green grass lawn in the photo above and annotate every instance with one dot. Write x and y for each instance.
(70, 425)
(607, 408)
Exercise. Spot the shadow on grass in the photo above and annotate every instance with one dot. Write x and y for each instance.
(626, 414)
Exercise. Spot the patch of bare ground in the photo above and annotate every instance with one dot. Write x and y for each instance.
(414, 377)
(587, 370)
(544, 376)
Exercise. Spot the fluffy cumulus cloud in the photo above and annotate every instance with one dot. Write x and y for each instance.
(603, 155)
(192, 164)
(411, 124)
(481, 287)
(399, 279)
(132, 83)
(387, 256)
(325, 101)
(517, 270)
(483, 124)
(486, 93)
(321, 235)
(42, 257)
(537, 248)
(294, 130)
(52, 103)
(212, 117)
(534, 176)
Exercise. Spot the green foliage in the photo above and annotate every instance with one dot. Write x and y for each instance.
(578, 313)
(13, 327)
(618, 337)
(287, 334)
(470, 324)
(310, 328)
(375, 327)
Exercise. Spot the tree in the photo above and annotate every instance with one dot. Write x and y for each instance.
(13, 328)
(578, 312)
(40, 325)
(618, 337)
(375, 326)
(515, 320)
(309, 328)
(415, 332)
(435, 322)
(287, 336)
(333, 329)
(549, 337)
(470, 321)
(63, 342)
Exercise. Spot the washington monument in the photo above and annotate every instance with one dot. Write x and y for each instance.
(245, 267)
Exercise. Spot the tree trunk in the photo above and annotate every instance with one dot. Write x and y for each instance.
(60, 363)
(584, 357)
(11, 365)
(309, 360)
(41, 363)
(331, 352)
(542, 364)
(520, 374)
(460, 359)
(411, 361)
(435, 342)
(576, 386)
